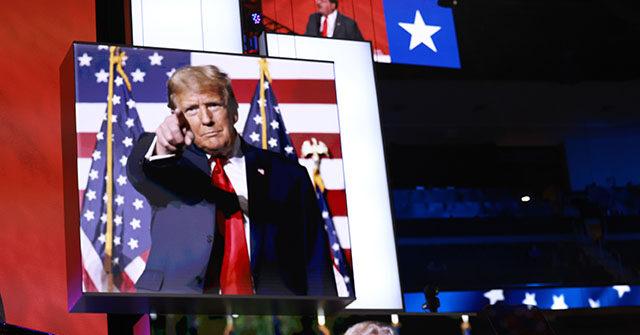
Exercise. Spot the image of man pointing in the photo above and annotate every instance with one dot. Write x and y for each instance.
(228, 218)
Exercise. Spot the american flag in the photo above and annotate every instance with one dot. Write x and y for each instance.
(131, 212)
(307, 103)
(265, 128)
(267, 131)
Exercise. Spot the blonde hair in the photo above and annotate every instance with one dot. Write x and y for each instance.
(199, 79)
(369, 328)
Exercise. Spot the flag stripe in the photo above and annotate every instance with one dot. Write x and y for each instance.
(91, 262)
(337, 202)
(290, 91)
(331, 171)
(279, 68)
(87, 143)
(342, 228)
(89, 116)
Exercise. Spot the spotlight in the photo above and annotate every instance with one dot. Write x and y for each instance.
(525, 198)
(395, 320)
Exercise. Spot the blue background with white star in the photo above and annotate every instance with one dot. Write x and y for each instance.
(433, 15)
(547, 298)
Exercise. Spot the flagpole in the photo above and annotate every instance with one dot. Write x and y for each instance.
(116, 58)
(263, 112)
(109, 178)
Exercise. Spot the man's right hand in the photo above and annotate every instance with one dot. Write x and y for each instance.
(173, 134)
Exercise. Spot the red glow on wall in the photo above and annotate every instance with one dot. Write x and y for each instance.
(34, 38)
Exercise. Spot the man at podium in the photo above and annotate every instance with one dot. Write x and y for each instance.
(328, 22)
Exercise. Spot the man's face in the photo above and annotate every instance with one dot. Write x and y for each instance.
(325, 7)
(209, 120)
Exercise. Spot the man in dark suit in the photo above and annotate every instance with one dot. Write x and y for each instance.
(228, 218)
(328, 22)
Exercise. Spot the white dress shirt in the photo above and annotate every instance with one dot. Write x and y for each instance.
(236, 170)
(331, 25)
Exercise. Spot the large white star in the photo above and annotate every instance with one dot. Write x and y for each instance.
(103, 218)
(138, 76)
(257, 119)
(116, 99)
(129, 123)
(91, 194)
(102, 76)
(135, 224)
(96, 155)
(530, 299)
(119, 81)
(137, 204)
(274, 124)
(622, 289)
(116, 241)
(85, 60)
(133, 243)
(421, 33)
(117, 220)
(102, 238)
(119, 200)
(594, 303)
(123, 160)
(494, 296)
(100, 136)
(558, 302)
(255, 137)
(155, 59)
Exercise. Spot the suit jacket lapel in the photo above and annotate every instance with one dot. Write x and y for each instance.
(257, 187)
(198, 158)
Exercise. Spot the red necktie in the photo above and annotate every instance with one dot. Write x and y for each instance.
(325, 26)
(235, 274)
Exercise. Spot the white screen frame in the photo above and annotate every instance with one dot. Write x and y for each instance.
(187, 24)
(375, 266)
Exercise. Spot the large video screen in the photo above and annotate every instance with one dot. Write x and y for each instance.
(407, 32)
(223, 174)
